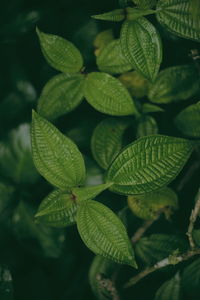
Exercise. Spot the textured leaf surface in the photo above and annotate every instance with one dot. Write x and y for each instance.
(111, 60)
(134, 13)
(148, 206)
(188, 120)
(174, 84)
(16, 163)
(88, 192)
(60, 53)
(104, 233)
(107, 140)
(176, 16)
(100, 278)
(148, 164)
(108, 95)
(170, 289)
(116, 15)
(141, 45)
(146, 126)
(145, 3)
(55, 156)
(61, 94)
(159, 246)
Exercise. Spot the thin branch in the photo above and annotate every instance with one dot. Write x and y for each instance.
(193, 217)
(171, 260)
(140, 232)
(195, 166)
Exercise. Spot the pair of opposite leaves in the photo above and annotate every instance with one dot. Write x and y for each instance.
(143, 166)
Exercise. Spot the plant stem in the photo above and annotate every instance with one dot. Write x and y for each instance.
(140, 232)
(195, 166)
(193, 217)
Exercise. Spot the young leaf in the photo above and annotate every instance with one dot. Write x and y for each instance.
(145, 3)
(100, 278)
(61, 94)
(107, 140)
(104, 233)
(159, 246)
(176, 16)
(116, 15)
(148, 206)
(141, 45)
(148, 164)
(111, 60)
(151, 108)
(102, 40)
(146, 126)
(108, 95)
(60, 53)
(170, 289)
(188, 120)
(174, 84)
(55, 156)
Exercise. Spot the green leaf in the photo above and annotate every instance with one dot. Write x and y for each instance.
(133, 13)
(188, 120)
(148, 164)
(191, 279)
(16, 161)
(174, 84)
(176, 16)
(146, 126)
(100, 278)
(145, 3)
(6, 284)
(149, 205)
(55, 156)
(111, 60)
(108, 95)
(151, 108)
(102, 40)
(170, 289)
(196, 236)
(61, 95)
(89, 192)
(141, 45)
(60, 53)
(159, 246)
(104, 233)
(107, 140)
(116, 15)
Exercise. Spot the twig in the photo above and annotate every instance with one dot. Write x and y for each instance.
(193, 217)
(171, 260)
(188, 175)
(140, 232)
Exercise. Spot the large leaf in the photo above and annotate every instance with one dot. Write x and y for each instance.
(159, 246)
(175, 84)
(100, 277)
(60, 53)
(6, 284)
(188, 120)
(146, 126)
(55, 156)
(111, 60)
(107, 140)
(145, 3)
(16, 161)
(176, 16)
(170, 289)
(104, 233)
(141, 45)
(149, 205)
(148, 164)
(61, 94)
(108, 95)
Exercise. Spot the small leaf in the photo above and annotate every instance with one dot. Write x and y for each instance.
(61, 95)
(174, 84)
(188, 120)
(149, 205)
(108, 95)
(100, 278)
(142, 47)
(146, 126)
(55, 156)
(111, 60)
(107, 140)
(148, 164)
(145, 3)
(175, 15)
(116, 15)
(151, 108)
(104, 233)
(6, 284)
(60, 53)
(159, 246)
(170, 289)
